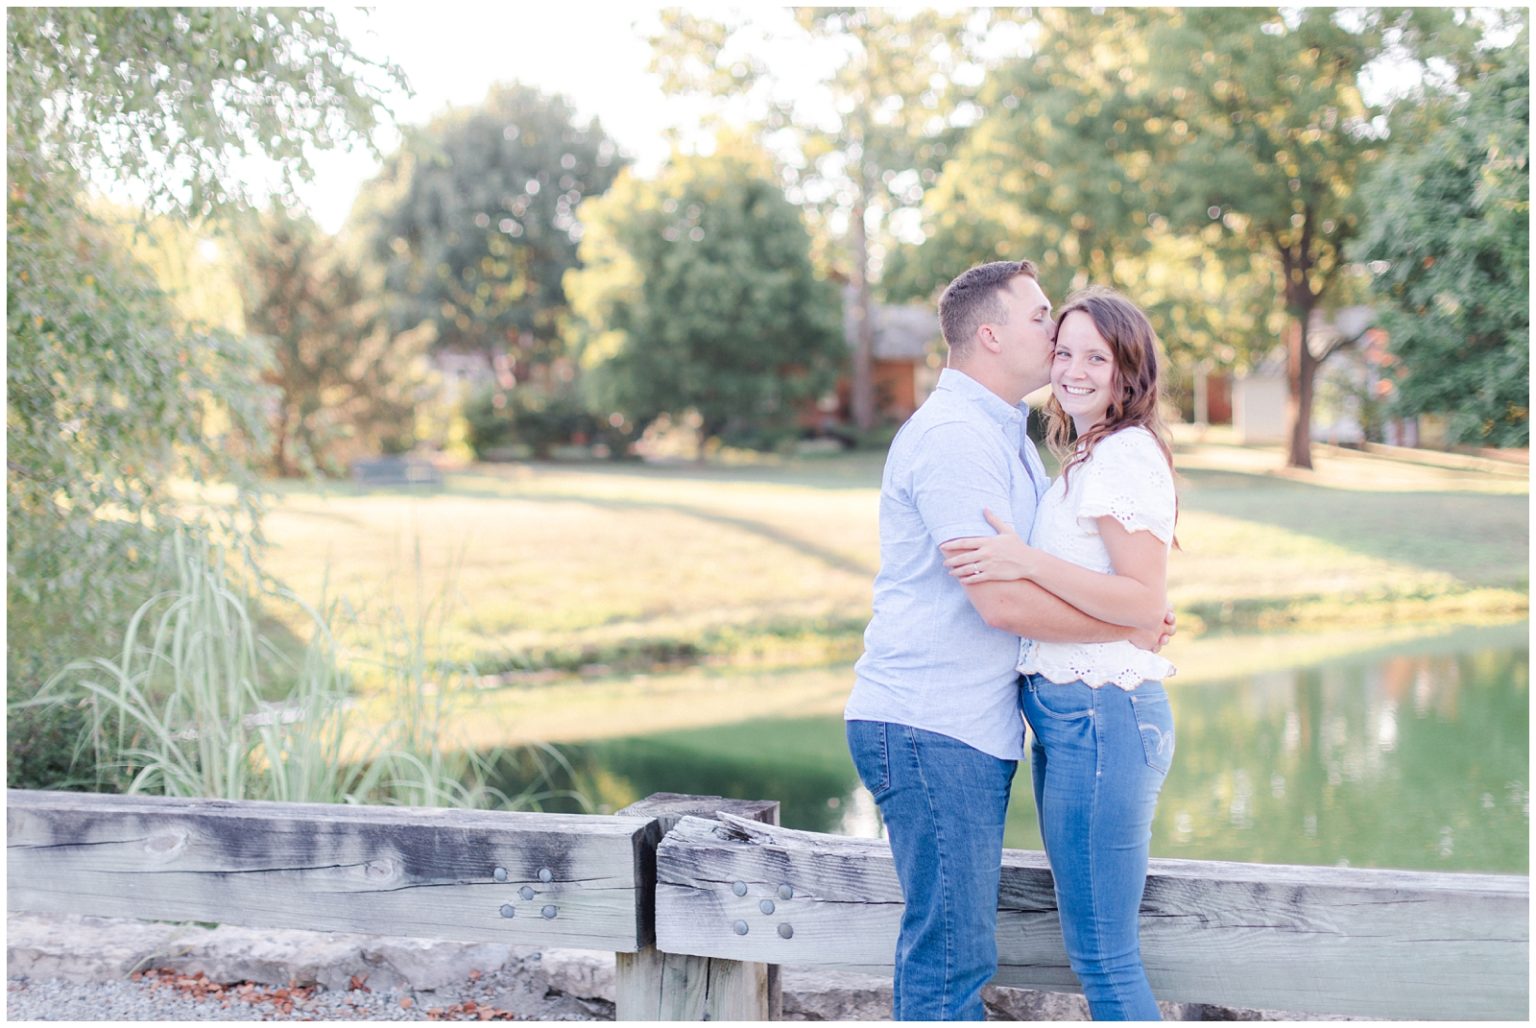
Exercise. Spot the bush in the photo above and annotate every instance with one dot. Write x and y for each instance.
(539, 421)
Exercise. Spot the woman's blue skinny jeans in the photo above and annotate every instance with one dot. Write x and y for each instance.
(1098, 761)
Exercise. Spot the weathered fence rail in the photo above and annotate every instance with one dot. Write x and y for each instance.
(1302, 939)
(701, 910)
(476, 876)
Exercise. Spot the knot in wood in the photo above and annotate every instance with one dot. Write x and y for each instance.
(166, 842)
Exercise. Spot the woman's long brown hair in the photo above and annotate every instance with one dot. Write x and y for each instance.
(1133, 344)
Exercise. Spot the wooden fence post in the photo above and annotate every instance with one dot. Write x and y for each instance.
(655, 986)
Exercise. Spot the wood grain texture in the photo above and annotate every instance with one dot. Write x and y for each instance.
(1304, 939)
(655, 986)
(569, 880)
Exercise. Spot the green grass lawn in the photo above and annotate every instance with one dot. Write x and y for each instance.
(535, 570)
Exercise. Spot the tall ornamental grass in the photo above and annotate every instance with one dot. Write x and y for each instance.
(201, 702)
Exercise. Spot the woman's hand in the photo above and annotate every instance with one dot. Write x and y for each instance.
(1000, 558)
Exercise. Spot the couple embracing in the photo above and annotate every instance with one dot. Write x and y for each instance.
(1001, 591)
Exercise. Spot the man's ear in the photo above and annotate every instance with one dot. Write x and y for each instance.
(988, 338)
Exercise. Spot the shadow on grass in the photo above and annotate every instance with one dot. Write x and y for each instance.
(1480, 539)
(769, 533)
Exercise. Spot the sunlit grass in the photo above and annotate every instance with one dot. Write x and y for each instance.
(621, 568)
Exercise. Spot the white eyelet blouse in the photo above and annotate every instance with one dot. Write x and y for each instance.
(1128, 478)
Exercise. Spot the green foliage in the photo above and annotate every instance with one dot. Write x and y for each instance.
(1270, 130)
(474, 220)
(190, 708)
(108, 406)
(538, 419)
(1450, 228)
(870, 140)
(113, 397)
(1204, 160)
(1063, 170)
(346, 385)
(698, 294)
(168, 99)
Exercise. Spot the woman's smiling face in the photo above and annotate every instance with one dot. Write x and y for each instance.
(1082, 371)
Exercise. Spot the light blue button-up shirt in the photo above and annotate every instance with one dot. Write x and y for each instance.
(930, 661)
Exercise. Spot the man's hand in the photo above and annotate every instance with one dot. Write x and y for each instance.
(1147, 639)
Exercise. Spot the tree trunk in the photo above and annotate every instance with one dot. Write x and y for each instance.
(282, 461)
(1301, 371)
(863, 324)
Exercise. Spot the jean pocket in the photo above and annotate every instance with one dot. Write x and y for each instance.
(871, 758)
(1062, 702)
(1154, 719)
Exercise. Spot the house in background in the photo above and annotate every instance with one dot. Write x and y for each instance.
(1349, 388)
(908, 359)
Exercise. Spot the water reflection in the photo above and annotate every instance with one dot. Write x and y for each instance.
(1412, 758)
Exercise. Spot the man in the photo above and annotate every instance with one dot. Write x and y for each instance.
(933, 721)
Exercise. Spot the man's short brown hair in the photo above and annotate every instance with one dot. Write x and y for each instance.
(972, 300)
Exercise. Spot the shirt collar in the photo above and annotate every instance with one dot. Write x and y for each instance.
(967, 388)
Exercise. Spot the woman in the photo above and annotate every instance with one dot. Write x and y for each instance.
(1103, 730)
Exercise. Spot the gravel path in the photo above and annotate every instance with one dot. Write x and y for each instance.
(174, 996)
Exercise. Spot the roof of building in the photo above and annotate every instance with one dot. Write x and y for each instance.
(905, 331)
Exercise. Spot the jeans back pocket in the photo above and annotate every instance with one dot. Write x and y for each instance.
(867, 746)
(1154, 719)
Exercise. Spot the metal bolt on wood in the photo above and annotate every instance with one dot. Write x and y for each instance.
(785, 892)
(545, 875)
(549, 912)
(500, 874)
(526, 892)
(766, 906)
(741, 928)
(739, 888)
(508, 910)
(786, 931)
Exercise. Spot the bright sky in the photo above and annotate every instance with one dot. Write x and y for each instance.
(452, 53)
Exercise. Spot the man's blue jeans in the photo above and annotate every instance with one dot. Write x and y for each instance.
(1098, 760)
(944, 804)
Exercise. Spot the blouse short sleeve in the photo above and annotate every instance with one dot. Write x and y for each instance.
(1127, 478)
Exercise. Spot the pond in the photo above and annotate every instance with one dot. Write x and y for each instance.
(1413, 756)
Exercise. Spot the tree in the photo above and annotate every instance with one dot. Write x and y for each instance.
(474, 220)
(110, 401)
(698, 294)
(1062, 168)
(896, 110)
(344, 382)
(1272, 130)
(1448, 238)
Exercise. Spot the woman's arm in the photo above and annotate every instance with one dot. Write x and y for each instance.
(1028, 610)
(1135, 595)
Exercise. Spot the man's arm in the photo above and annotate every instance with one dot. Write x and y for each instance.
(1027, 610)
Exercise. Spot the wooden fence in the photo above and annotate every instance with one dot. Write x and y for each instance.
(701, 910)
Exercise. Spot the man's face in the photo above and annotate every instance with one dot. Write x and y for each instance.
(1027, 337)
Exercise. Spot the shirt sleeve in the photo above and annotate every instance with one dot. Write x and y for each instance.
(956, 473)
(1127, 478)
